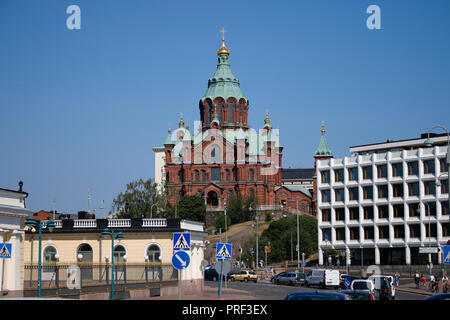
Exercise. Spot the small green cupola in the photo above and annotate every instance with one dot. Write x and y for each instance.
(169, 138)
(323, 150)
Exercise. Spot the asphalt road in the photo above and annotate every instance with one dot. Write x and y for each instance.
(269, 291)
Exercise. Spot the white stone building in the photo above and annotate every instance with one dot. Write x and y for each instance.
(12, 220)
(367, 203)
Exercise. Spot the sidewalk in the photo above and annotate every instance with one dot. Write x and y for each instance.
(411, 287)
(208, 294)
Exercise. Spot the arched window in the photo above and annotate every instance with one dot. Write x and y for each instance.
(215, 154)
(180, 176)
(240, 112)
(230, 108)
(219, 111)
(252, 175)
(197, 175)
(227, 173)
(303, 207)
(50, 254)
(203, 175)
(119, 253)
(234, 174)
(154, 253)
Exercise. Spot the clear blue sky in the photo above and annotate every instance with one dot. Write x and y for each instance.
(83, 108)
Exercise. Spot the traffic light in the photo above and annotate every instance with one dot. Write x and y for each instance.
(268, 248)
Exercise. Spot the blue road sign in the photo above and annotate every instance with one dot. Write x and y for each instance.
(182, 241)
(446, 254)
(181, 260)
(5, 250)
(223, 251)
(304, 263)
(347, 283)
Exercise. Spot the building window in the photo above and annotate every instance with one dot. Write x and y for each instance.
(326, 234)
(368, 193)
(413, 189)
(397, 190)
(368, 212)
(215, 174)
(382, 171)
(383, 232)
(443, 165)
(414, 230)
(326, 215)
(367, 172)
(353, 174)
(383, 212)
(368, 233)
(399, 232)
(119, 253)
(397, 169)
(413, 168)
(382, 192)
(340, 233)
(325, 176)
(227, 174)
(354, 233)
(430, 209)
(180, 176)
(154, 253)
(444, 208)
(399, 211)
(339, 175)
(444, 184)
(445, 229)
(340, 214)
(235, 174)
(230, 109)
(252, 175)
(354, 213)
(203, 175)
(197, 175)
(49, 254)
(428, 166)
(325, 195)
(429, 187)
(353, 193)
(339, 193)
(432, 227)
(414, 209)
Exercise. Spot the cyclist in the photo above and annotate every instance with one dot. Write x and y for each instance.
(417, 278)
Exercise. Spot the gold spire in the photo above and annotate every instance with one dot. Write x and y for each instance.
(267, 120)
(323, 127)
(181, 123)
(223, 51)
(169, 128)
(187, 123)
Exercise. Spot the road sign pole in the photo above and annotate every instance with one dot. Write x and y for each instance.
(180, 273)
(220, 276)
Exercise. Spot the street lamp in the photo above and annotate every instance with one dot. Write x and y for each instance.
(298, 234)
(32, 224)
(256, 218)
(429, 232)
(429, 143)
(119, 235)
(151, 209)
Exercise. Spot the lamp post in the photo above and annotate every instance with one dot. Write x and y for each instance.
(429, 143)
(151, 209)
(298, 234)
(429, 233)
(32, 224)
(256, 218)
(119, 235)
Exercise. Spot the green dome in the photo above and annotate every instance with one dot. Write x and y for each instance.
(223, 84)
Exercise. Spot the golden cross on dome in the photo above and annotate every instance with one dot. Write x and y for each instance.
(169, 128)
(323, 127)
(223, 33)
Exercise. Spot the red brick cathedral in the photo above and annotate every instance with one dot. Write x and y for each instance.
(225, 156)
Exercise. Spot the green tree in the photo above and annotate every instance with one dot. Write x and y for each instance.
(219, 222)
(192, 208)
(238, 208)
(138, 199)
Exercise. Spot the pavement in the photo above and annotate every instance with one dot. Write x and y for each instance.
(408, 285)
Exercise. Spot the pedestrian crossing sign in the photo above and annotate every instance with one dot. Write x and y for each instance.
(5, 250)
(446, 254)
(223, 251)
(182, 241)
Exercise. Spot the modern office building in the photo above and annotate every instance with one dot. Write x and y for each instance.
(384, 202)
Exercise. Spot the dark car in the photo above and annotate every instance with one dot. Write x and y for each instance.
(359, 294)
(384, 290)
(277, 276)
(212, 274)
(441, 296)
(346, 277)
(317, 295)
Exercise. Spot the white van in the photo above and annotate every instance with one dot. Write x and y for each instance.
(323, 278)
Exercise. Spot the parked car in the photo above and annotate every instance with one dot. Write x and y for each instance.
(277, 276)
(291, 278)
(363, 284)
(344, 278)
(323, 278)
(359, 294)
(383, 287)
(317, 295)
(212, 275)
(244, 275)
(441, 296)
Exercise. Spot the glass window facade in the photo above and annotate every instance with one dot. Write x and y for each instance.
(353, 174)
(382, 171)
(413, 168)
(397, 169)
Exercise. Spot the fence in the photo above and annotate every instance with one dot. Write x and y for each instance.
(76, 279)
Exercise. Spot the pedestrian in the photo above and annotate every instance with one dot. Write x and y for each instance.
(272, 272)
(417, 278)
(445, 283)
(397, 279)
